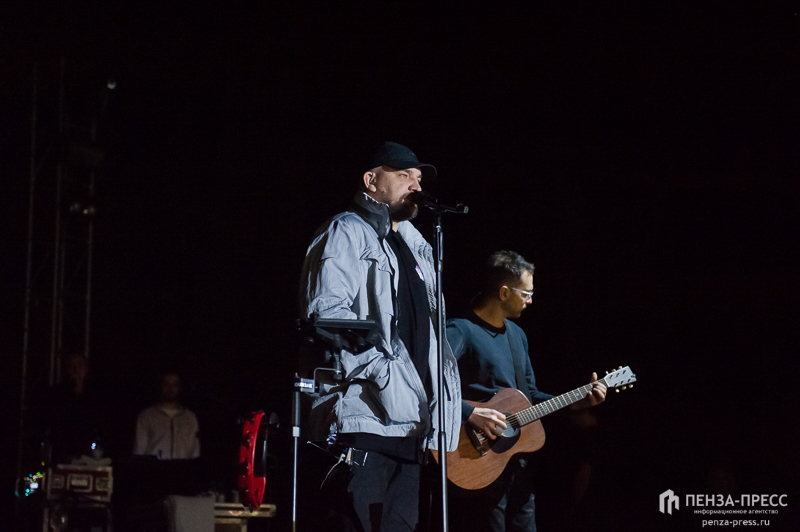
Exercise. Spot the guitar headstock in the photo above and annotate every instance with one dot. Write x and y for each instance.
(621, 378)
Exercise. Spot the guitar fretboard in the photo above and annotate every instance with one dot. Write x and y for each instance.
(539, 410)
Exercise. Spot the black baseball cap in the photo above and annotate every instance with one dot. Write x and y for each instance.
(399, 157)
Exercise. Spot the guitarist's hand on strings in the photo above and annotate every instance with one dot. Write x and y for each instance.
(487, 420)
(593, 398)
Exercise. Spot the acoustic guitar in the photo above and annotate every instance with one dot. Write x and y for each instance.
(478, 461)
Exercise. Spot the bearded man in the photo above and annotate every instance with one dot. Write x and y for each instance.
(371, 263)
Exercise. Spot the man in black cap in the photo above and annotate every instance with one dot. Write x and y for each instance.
(370, 262)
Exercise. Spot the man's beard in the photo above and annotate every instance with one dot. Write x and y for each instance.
(405, 210)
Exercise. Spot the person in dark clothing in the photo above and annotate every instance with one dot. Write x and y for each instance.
(72, 413)
(371, 263)
(492, 353)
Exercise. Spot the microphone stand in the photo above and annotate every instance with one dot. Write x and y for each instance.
(439, 237)
(300, 386)
(355, 336)
(424, 200)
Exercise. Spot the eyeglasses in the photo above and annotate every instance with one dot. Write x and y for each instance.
(525, 293)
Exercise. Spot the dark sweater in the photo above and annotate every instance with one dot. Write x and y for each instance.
(486, 360)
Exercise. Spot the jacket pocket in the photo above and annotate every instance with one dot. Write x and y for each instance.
(378, 272)
(378, 292)
(361, 401)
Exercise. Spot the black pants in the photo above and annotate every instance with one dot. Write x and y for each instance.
(507, 505)
(385, 493)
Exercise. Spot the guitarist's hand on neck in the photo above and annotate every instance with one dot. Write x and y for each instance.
(487, 421)
(593, 398)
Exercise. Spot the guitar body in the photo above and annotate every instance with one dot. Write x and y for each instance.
(478, 461)
(468, 469)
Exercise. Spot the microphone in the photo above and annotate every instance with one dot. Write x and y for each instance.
(426, 200)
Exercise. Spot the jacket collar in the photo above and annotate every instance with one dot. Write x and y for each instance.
(375, 213)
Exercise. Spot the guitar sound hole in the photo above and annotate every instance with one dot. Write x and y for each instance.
(510, 431)
(510, 437)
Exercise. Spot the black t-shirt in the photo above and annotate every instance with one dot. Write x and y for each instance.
(413, 321)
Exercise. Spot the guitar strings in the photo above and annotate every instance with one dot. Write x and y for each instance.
(538, 411)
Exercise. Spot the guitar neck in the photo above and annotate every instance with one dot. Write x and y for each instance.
(539, 410)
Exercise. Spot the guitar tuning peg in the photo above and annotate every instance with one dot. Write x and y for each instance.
(616, 390)
(624, 387)
(620, 367)
(606, 373)
(630, 386)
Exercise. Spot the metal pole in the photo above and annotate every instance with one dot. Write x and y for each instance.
(57, 248)
(89, 252)
(62, 276)
(296, 436)
(440, 358)
(23, 391)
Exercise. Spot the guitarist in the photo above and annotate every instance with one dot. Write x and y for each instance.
(492, 353)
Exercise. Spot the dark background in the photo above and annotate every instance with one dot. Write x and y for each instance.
(644, 157)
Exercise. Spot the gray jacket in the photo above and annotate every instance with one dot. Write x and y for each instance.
(350, 273)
